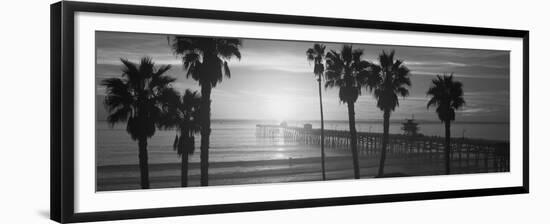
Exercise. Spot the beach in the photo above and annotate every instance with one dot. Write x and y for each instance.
(238, 156)
(126, 177)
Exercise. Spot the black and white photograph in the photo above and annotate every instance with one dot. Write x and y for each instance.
(192, 111)
(203, 112)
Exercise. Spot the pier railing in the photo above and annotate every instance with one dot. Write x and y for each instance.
(488, 154)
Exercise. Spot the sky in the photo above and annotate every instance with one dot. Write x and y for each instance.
(274, 81)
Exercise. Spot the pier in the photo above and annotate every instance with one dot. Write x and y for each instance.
(481, 155)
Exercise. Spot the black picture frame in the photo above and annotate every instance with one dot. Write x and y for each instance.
(62, 110)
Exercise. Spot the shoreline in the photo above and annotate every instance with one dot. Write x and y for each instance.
(167, 175)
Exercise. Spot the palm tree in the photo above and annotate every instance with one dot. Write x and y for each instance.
(183, 114)
(349, 73)
(317, 54)
(137, 98)
(447, 96)
(205, 60)
(395, 80)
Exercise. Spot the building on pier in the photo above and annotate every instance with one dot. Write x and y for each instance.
(410, 127)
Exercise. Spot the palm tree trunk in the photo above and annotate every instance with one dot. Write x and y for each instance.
(322, 131)
(353, 143)
(184, 168)
(143, 163)
(447, 147)
(205, 131)
(385, 140)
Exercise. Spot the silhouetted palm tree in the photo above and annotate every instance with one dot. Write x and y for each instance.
(447, 96)
(395, 80)
(317, 54)
(137, 98)
(182, 112)
(205, 59)
(349, 73)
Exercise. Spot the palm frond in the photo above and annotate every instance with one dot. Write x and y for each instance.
(182, 45)
(446, 95)
(176, 143)
(347, 71)
(190, 58)
(356, 57)
(402, 91)
(205, 58)
(394, 78)
(310, 54)
(134, 98)
(432, 102)
(229, 47)
(118, 93)
(347, 53)
(130, 71)
(120, 114)
(146, 67)
(316, 55)
(226, 70)
(162, 69)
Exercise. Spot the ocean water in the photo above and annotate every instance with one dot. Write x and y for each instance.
(235, 140)
(229, 141)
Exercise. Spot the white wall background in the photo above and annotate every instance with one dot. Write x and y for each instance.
(24, 113)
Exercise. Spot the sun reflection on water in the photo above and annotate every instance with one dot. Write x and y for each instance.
(280, 156)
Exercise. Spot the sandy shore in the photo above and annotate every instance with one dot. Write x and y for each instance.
(126, 177)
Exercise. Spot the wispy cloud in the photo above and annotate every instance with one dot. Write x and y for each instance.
(435, 63)
(460, 75)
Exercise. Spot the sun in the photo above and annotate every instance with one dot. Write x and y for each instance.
(279, 108)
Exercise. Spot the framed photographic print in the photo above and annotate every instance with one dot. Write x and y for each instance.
(161, 111)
